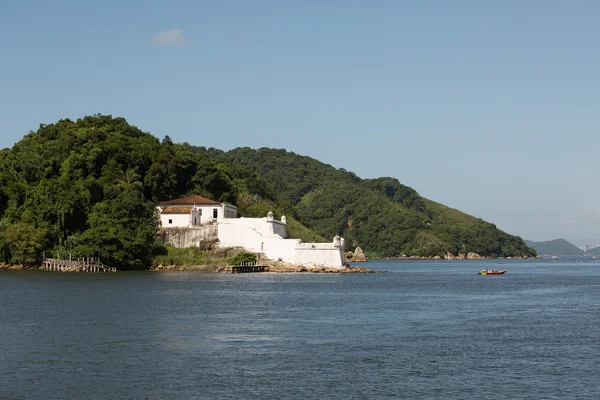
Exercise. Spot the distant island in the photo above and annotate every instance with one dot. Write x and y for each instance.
(557, 247)
(89, 188)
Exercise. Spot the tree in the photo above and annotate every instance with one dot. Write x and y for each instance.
(24, 243)
(122, 230)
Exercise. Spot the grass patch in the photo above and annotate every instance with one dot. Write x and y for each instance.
(295, 230)
(182, 257)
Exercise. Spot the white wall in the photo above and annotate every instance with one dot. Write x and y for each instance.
(177, 220)
(260, 235)
(206, 211)
(256, 235)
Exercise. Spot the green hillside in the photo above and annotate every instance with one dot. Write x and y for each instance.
(557, 247)
(88, 187)
(380, 215)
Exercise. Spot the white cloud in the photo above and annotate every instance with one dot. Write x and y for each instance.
(172, 37)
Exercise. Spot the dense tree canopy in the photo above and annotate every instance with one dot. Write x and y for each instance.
(88, 187)
(381, 215)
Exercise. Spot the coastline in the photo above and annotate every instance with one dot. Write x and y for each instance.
(276, 267)
(450, 257)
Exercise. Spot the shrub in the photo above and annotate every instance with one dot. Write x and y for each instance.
(241, 258)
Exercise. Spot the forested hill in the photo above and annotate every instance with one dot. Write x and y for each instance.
(381, 215)
(557, 247)
(88, 187)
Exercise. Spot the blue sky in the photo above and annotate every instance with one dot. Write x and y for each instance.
(488, 107)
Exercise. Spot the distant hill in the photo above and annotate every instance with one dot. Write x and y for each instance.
(594, 252)
(556, 247)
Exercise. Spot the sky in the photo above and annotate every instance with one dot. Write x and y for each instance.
(488, 107)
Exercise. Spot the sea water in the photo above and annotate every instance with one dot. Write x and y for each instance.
(424, 329)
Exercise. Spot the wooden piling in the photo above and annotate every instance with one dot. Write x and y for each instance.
(87, 264)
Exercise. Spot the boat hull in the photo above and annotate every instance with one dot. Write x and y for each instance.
(494, 272)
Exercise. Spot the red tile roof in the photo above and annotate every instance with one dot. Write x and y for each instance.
(189, 201)
(177, 210)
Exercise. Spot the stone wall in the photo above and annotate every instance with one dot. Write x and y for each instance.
(203, 236)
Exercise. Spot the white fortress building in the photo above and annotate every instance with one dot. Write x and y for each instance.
(194, 220)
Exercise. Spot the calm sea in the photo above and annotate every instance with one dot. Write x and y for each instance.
(422, 330)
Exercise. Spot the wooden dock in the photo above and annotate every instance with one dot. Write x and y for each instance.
(89, 264)
(245, 268)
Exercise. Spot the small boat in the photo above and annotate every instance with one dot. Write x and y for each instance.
(492, 272)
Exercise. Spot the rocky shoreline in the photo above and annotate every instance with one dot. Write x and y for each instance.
(460, 256)
(282, 267)
(276, 267)
(16, 267)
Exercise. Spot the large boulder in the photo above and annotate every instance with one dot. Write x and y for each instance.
(474, 256)
(349, 256)
(359, 256)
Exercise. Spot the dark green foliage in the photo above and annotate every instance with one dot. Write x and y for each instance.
(88, 187)
(22, 243)
(381, 215)
(242, 258)
(121, 229)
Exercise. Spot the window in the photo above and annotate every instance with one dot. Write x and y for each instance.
(170, 221)
(195, 223)
(215, 212)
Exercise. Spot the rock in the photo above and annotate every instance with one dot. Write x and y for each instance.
(359, 256)
(449, 256)
(350, 269)
(437, 257)
(349, 256)
(474, 256)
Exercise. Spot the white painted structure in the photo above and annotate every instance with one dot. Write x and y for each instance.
(268, 236)
(193, 211)
(260, 235)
